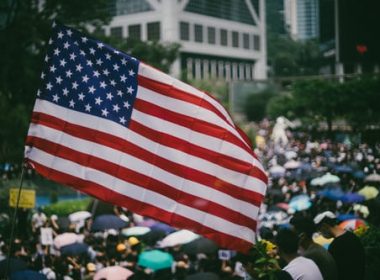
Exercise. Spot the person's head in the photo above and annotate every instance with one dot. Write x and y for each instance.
(287, 243)
(325, 223)
(304, 227)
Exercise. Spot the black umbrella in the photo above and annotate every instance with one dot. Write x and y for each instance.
(153, 236)
(203, 276)
(75, 249)
(104, 222)
(28, 274)
(14, 265)
(200, 245)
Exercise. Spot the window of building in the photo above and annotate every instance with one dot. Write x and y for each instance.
(198, 33)
(256, 42)
(184, 30)
(245, 40)
(223, 37)
(235, 39)
(134, 31)
(126, 7)
(211, 35)
(116, 32)
(153, 31)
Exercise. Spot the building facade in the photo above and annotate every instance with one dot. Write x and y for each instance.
(302, 18)
(219, 38)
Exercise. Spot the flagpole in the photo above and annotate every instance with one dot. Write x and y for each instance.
(14, 222)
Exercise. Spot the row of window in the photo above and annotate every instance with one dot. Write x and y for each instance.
(134, 31)
(210, 35)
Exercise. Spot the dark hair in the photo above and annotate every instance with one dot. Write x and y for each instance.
(330, 221)
(303, 225)
(287, 241)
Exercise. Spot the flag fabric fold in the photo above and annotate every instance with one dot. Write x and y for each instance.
(119, 130)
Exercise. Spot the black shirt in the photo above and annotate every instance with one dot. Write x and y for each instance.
(349, 256)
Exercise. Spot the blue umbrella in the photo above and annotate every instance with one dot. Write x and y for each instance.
(332, 194)
(14, 265)
(300, 202)
(28, 274)
(104, 222)
(75, 249)
(359, 174)
(162, 227)
(352, 198)
(344, 217)
(155, 260)
(343, 168)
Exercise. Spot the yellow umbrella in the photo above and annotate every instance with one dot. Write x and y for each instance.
(369, 192)
(319, 239)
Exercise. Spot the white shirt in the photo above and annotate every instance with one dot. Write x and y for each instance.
(303, 269)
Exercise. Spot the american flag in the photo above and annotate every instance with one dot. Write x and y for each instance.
(126, 133)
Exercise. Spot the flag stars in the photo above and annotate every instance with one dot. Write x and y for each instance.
(98, 101)
(38, 92)
(89, 63)
(60, 35)
(69, 32)
(120, 93)
(47, 58)
(71, 103)
(124, 61)
(127, 105)
(105, 112)
(65, 91)
(116, 108)
(85, 79)
(52, 68)
(92, 51)
(42, 75)
(123, 78)
(108, 56)
(58, 80)
(96, 73)
(49, 86)
(55, 97)
(75, 85)
(82, 53)
(122, 120)
(100, 45)
(88, 107)
(57, 51)
(69, 73)
(81, 96)
(103, 84)
(131, 72)
(91, 89)
(84, 39)
(62, 62)
(99, 61)
(66, 45)
(116, 67)
(106, 72)
(79, 68)
(130, 89)
(51, 41)
(72, 56)
(113, 83)
(109, 96)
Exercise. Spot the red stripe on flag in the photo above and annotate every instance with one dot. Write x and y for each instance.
(142, 180)
(102, 193)
(134, 150)
(189, 122)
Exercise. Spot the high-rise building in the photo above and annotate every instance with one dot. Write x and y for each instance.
(219, 38)
(302, 18)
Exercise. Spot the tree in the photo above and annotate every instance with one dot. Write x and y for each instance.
(256, 103)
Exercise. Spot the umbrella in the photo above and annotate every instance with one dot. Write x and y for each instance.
(343, 168)
(203, 276)
(292, 164)
(327, 178)
(359, 174)
(345, 217)
(332, 194)
(373, 178)
(178, 238)
(135, 231)
(28, 274)
(319, 239)
(113, 273)
(277, 171)
(352, 198)
(291, 154)
(147, 223)
(75, 249)
(283, 206)
(104, 222)
(152, 237)
(369, 192)
(67, 238)
(300, 202)
(79, 216)
(162, 227)
(352, 224)
(200, 245)
(14, 265)
(155, 260)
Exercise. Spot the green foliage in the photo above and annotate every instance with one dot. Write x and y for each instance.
(255, 104)
(65, 208)
(371, 242)
(217, 88)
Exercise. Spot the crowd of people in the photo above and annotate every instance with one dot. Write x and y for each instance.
(314, 203)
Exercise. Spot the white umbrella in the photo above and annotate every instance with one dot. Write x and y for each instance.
(79, 216)
(292, 164)
(327, 178)
(113, 273)
(290, 154)
(178, 238)
(135, 231)
(277, 169)
(372, 178)
(67, 238)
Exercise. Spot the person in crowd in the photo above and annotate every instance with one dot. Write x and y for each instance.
(38, 220)
(300, 268)
(346, 248)
(305, 228)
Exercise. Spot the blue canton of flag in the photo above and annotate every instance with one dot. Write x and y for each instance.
(89, 76)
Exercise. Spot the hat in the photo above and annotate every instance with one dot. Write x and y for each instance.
(133, 241)
(91, 267)
(120, 247)
(320, 217)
